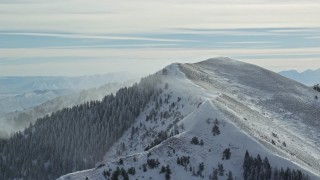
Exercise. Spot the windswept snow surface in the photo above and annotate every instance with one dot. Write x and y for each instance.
(265, 103)
(246, 105)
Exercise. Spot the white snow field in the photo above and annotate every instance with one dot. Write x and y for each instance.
(255, 109)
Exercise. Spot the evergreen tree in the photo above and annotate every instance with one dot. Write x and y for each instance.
(178, 161)
(215, 130)
(220, 169)
(124, 174)
(132, 171)
(195, 141)
(230, 177)
(200, 169)
(168, 173)
(246, 166)
(267, 169)
(214, 175)
(163, 169)
(316, 87)
(144, 167)
(226, 154)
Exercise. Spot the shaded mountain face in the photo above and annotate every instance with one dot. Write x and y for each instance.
(187, 121)
(308, 77)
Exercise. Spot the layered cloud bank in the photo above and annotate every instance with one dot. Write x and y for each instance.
(94, 34)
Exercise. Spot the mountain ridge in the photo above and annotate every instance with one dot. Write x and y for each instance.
(235, 113)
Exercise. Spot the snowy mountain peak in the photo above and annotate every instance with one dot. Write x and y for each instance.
(173, 70)
(203, 122)
(308, 77)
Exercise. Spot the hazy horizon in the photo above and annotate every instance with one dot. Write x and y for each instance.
(72, 38)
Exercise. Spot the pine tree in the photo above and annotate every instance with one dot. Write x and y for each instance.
(178, 161)
(168, 173)
(200, 169)
(230, 177)
(220, 169)
(124, 174)
(132, 170)
(226, 154)
(195, 141)
(246, 166)
(163, 169)
(267, 169)
(215, 130)
(214, 175)
(201, 143)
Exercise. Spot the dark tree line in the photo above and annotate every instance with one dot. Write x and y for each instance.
(74, 138)
(256, 169)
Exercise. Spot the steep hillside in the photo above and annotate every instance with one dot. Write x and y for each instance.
(207, 117)
(264, 102)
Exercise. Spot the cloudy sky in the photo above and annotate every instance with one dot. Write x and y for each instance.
(77, 37)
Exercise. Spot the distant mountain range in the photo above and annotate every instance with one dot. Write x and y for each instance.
(308, 77)
(30, 99)
(24, 99)
(22, 84)
(18, 120)
(21, 92)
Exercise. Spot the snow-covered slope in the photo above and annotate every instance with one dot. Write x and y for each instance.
(254, 109)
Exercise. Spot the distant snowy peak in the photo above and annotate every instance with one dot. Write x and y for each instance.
(223, 60)
(308, 77)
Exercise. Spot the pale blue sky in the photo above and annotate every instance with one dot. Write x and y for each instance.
(77, 37)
